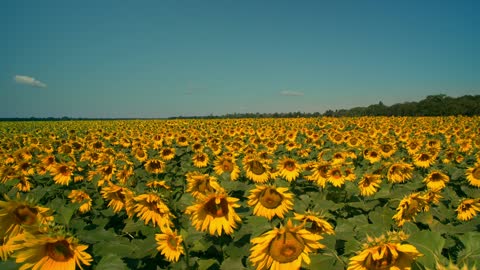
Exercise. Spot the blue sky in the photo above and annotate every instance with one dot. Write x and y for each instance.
(177, 58)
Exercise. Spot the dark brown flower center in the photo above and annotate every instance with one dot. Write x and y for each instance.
(436, 177)
(172, 242)
(386, 148)
(368, 180)
(140, 153)
(59, 251)
(271, 198)
(383, 263)
(203, 185)
(215, 209)
(476, 173)
(424, 157)
(200, 158)
(64, 170)
(227, 166)
(336, 173)
(286, 247)
(97, 145)
(155, 164)
(289, 165)
(25, 215)
(256, 167)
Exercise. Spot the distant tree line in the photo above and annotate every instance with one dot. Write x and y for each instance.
(433, 105)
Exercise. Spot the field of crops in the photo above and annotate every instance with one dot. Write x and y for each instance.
(310, 193)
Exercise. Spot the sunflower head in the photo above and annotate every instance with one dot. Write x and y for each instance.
(270, 201)
(315, 222)
(385, 252)
(215, 213)
(284, 248)
(53, 252)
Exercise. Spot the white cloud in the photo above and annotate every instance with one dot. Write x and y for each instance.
(290, 93)
(27, 80)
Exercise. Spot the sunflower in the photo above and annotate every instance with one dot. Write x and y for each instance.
(79, 196)
(169, 243)
(284, 248)
(318, 225)
(409, 207)
(372, 155)
(473, 175)
(8, 245)
(436, 180)
(92, 157)
(256, 169)
(335, 176)
(52, 252)
(124, 174)
(25, 168)
(197, 147)
(338, 158)
(413, 146)
(24, 183)
(16, 215)
(119, 197)
(200, 159)
(198, 183)
(227, 164)
(106, 171)
(182, 141)
(158, 184)
(467, 209)
(140, 154)
(150, 207)
(320, 173)
(155, 166)
(369, 184)
(214, 213)
(270, 201)
(387, 149)
(291, 145)
(167, 153)
(350, 174)
(400, 172)
(423, 160)
(49, 162)
(62, 173)
(384, 253)
(289, 169)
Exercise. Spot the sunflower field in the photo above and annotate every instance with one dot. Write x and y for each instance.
(304, 193)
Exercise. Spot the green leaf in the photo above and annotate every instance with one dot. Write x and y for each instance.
(206, 264)
(9, 265)
(201, 245)
(471, 253)
(96, 235)
(300, 206)
(65, 213)
(143, 247)
(121, 248)
(382, 216)
(430, 244)
(232, 264)
(325, 205)
(111, 261)
(364, 205)
(132, 226)
(258, 225)
(324, 261)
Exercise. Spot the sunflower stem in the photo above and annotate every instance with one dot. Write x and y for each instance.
(186, 257)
